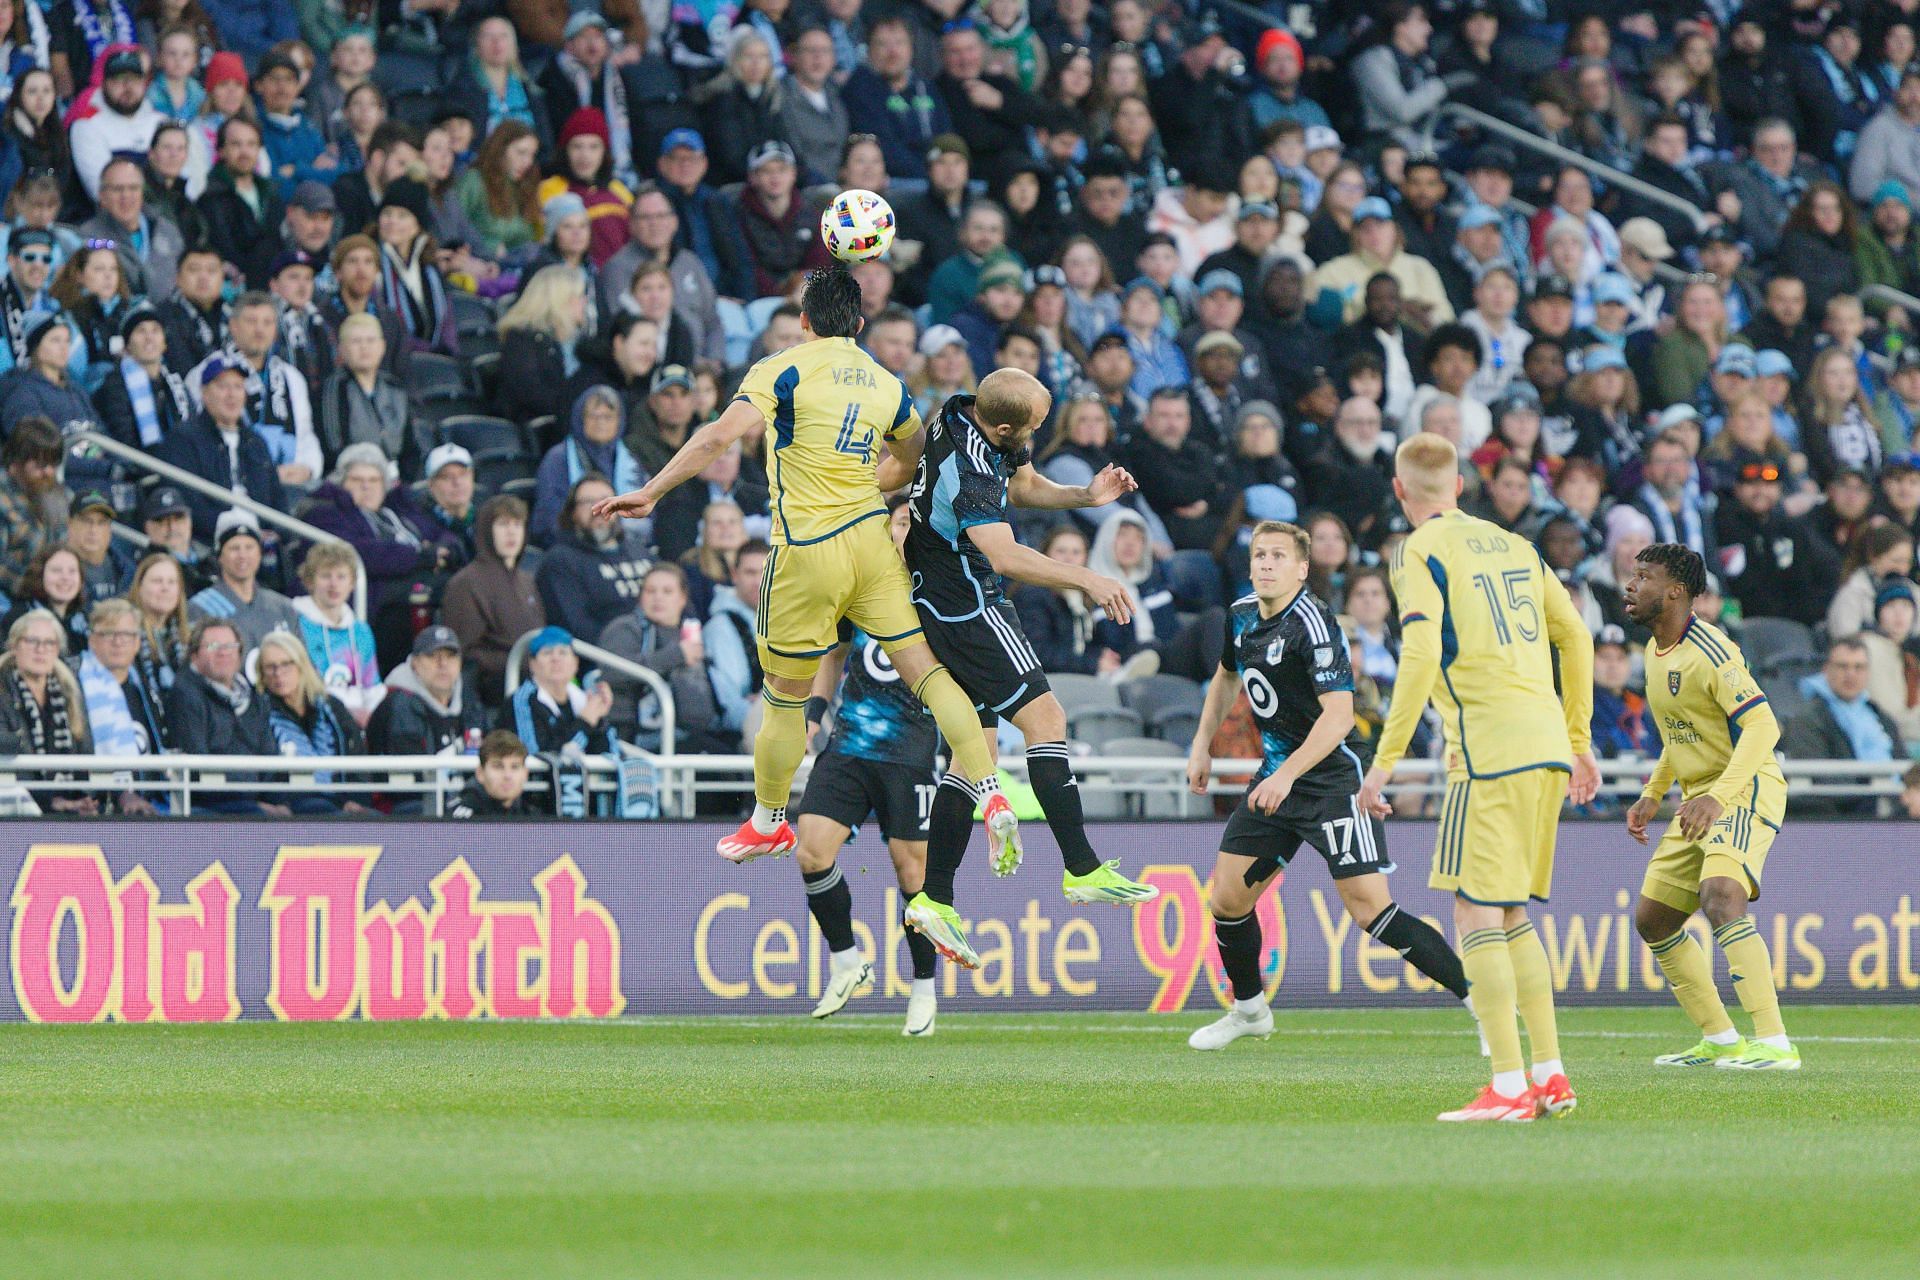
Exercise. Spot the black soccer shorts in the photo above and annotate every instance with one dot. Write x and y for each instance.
(990, 658)
(847, 790)
(1353, 843)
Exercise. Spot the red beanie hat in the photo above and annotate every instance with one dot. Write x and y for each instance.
(1274, 39)
(224, 67)
(586, 121)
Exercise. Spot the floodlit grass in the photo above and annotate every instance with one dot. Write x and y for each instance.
(1007, 1145)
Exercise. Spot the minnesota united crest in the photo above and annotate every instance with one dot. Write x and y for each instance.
(1274, 650)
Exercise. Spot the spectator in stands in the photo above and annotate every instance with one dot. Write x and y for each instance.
(654, 230)
(594, 445)
(1899, 492)
(709, 561)
(1820, 240)
(174, 171)
(361, 403)
(1893, 659)
(1279, 61)
(45, 385)
(591, 574)
(444, 513)
(1876, 554)
(683, 172)
(218, 445)
(1841, 722)
(499, 785)
(739, 107)
(141, 401)
(296, 150)
(1376, 250)
(771, 239)
(104, 563)
(168, 523)
(493, 87)
(243, 214)
(549, 711)
(540, 337)
(1683, 358)
(1889, 147)
(145, 240)
(279, 404)
(429, 708)
(1177, 474)
(306, 720)
(586, 74)
(158, 591)
(681, 522)
(988, 110)
(498, 193)
(1768, 184)
(42, 711)
(733, 660)
(587, 174)
(305, 338)
(1666, 164)
(663, 637)
(1398, 82)
(195, 317)
(391, 152)
(33, 503)
(1835, 95)
(1057, 620)
(1623, 724)
(340, 644)
(809, 113)
(1836, 421)
(1670, 496)
(236, 594)
(212, 709)
(1134, 148)
(1846, 514)
(885, 96)
(24, 294)
(1379, 334)
(411, 286)
(669, 418)
(53, 585)
(34, 141)
(120, 712)
(1771, 561)
(493, 601)
(1122, 550)
(1508, 498)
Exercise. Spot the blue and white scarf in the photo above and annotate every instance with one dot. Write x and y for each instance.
(114, 730)
(1688, 529)
(140, 392)
(97, 36)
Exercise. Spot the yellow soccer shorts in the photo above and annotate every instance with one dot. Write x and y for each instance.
(1495, 846)
(807, 589)
(1735, 847)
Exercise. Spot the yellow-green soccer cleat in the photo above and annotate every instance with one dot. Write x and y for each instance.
(1762, 1057)
(1704, 1054)
(1105, 884)
(940, 925)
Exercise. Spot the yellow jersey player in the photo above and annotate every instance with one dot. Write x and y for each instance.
(828, 411)
(1718, 736)
(1482, 617)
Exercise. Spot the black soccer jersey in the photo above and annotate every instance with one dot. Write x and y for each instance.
(1285, 663)
(878, 718)
(962, 482)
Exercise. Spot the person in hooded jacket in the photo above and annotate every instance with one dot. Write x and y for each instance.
(594, 445)
(494, 601)
(429, 708)
(592, 573)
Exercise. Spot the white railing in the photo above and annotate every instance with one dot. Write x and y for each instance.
(260, 510)
(1144, 785)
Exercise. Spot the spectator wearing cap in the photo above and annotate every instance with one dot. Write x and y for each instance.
(930, 223)
(236, 594)
(104, 564)
(886, 97)
(1000, 292)
(1771, 562)
(279, 403)
(1889, 147)
(494, 600)
(167, 521)
(549, 711)
(148, 244)
(1730, 379)
(772, 238)
(305, 340)
(1774, 378)
(683, 171)
(1897, 408)
(430, 708)
(1279, 61)
(412, 287)
(122, 119)
(1376, 249)
(668, 419)
(1886, 252)
(243, 212)
(1643, 248)
(1623, 723)
(1479, 246)
(361, 403)
(43, 384)
(990, 111)
(1256, 229)
(1489, 175)
(1893, 657)
(1221, 306)
(1841, 722)
(586, 171)
(654, 240)
(1614, 318)
(945, 370)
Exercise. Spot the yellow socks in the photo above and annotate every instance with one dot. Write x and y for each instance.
(1484, 955)
(1533, 991)
(1690, 973)
(1752, 972)
(779, 747)
(959, 724)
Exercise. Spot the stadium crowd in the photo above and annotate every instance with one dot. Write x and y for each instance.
(437, 275)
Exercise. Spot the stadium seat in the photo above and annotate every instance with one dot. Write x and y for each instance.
(1151, 695)
(1075, 691)
(436, 407)
(733, 322)
(526, 488)
(473, 315)
(480, 432)
(760, 311)
(1096, 726)
(497, 470)
(429, 373)
(1784, 696)
(1766, 641)
(1175, 724)
(1157, 799)
(542, 433)
(485, 369)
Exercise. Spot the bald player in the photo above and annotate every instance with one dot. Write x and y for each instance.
(1483, 617)
(977, 459)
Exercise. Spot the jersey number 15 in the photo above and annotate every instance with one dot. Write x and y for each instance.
(1516, 612)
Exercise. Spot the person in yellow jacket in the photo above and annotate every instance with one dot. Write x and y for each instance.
(1376, 248)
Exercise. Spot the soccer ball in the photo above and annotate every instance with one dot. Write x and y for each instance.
(857, 225)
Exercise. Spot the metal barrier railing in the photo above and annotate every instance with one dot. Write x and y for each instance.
(1887, 293)
(259, 510)
(626, 667)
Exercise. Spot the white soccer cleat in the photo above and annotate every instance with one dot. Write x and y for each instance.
(840, 988)
(920, 1010)
(1220, 1034)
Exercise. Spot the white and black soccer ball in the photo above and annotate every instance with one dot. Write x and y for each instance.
(857, 226)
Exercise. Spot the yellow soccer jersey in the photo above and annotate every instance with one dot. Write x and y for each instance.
(828, 405)
(1717, 731)
(1481, 616)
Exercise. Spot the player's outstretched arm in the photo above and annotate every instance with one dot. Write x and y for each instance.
(1028, 488)
(1221, 691)
(901, 460)
(701, 448)
(1023, 564)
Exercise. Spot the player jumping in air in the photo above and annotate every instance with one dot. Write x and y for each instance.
(878, 762)
(826, 406)
(1718, 734)
(960, 546)
(1482, 617)
(1284, 646)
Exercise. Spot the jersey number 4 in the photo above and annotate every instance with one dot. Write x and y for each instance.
(854, 438)
(1517, 612)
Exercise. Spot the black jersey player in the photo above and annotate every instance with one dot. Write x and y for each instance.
(1285, 648)
(878, 763)
(961, 544)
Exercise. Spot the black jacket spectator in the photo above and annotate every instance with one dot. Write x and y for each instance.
(1200, 116)
(1175, 477)
(1060, 635)
(192, 334)
(244, 238)
(171, 406)
(533, 377)
(197, 447)
(1684, 183)
(1753, 89)
(490, 603)
(203, 720)
(994, 136)
(1774, 564)
(410, 721)
(1824, 263)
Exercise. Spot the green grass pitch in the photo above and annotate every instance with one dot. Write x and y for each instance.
(1009, 1145)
